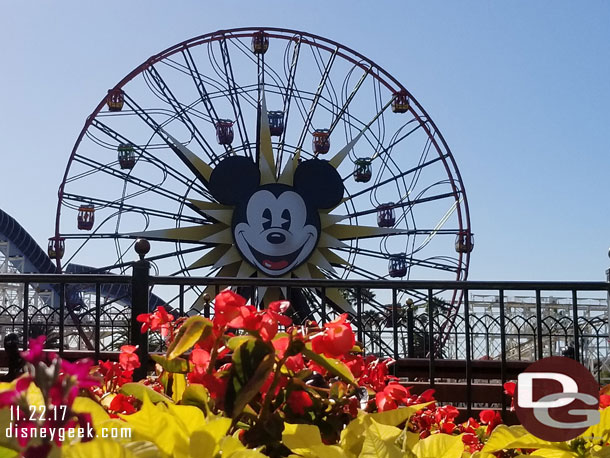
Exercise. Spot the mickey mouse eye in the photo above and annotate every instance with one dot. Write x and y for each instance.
(266, 219)
(287, 219)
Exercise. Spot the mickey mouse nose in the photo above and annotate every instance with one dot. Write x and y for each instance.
(276, 238)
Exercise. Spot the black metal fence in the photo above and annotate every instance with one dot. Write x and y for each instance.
(404, 320)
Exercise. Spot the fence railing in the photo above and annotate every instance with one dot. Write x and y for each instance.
(405, 320)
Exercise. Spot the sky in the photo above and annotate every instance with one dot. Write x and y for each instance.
(520, 91)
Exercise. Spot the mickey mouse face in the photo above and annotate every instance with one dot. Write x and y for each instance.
(275, 236)
(276, 227)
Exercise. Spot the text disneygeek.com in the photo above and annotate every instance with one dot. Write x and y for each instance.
(61, 434)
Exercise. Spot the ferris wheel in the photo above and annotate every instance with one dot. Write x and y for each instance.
(264, 153)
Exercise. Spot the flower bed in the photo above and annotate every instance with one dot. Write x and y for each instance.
(237, 387)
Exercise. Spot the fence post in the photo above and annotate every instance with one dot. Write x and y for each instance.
(410, 330)
(140, 281)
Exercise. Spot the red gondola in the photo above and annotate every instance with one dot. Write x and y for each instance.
(86, 217)
(363, 170)
(321, 141)
(115, 99)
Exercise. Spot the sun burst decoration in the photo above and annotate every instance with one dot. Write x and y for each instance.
(286, 243)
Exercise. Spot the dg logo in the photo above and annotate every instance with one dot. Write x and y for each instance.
(557, 399)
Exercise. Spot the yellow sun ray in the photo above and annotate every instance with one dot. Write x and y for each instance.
(332, 257)
(328, 241)
(302, 272)
(319, 260)
(245, 270)
(230, 257)
(204, 169)
(204, 205)
(288, 173)
(342, 154)
(223, 236)
(267, 162)
(210, 257)
(327, 220)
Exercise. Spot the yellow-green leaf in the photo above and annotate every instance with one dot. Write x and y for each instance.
(502, 436)
(101, 448)
(246, 454)
(178, 386)
(196, 395)
(236, 341)
(202, 445)
(334, 366)
(191, 416)
(138, 391)
(296, 436)
(188, 335)
(379, 442)
(438, 445)
(156, 424)
(395, 417)
(87, 405)
(8, 453)
(177, 364)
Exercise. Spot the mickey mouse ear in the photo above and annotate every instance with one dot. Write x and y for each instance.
(233, 180)
(319, 183)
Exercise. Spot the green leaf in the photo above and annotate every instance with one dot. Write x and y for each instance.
(8, 453)
(305, 440)
(246, 454)
(333, 366)
(296, 436)
(106, 447)
(510, 437)
(397, 416)
(379, 442)
(438, 445)
(188, 335)
(253, 360)
(178, 386)
(138, 391)
(236, 341)
(157, 424)
(176, 365)
(88, 405)
(196, 395)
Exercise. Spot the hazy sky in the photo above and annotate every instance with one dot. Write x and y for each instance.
(520, 91)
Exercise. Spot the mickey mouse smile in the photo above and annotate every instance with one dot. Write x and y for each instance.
(274, 263)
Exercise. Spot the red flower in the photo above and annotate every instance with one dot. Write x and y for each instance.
(491, 418)
(299, 401)
(123, 404)
(128, 358)
(604, 401)
(158, 320)
(227, 307)
(355, 363)
(337, 340)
